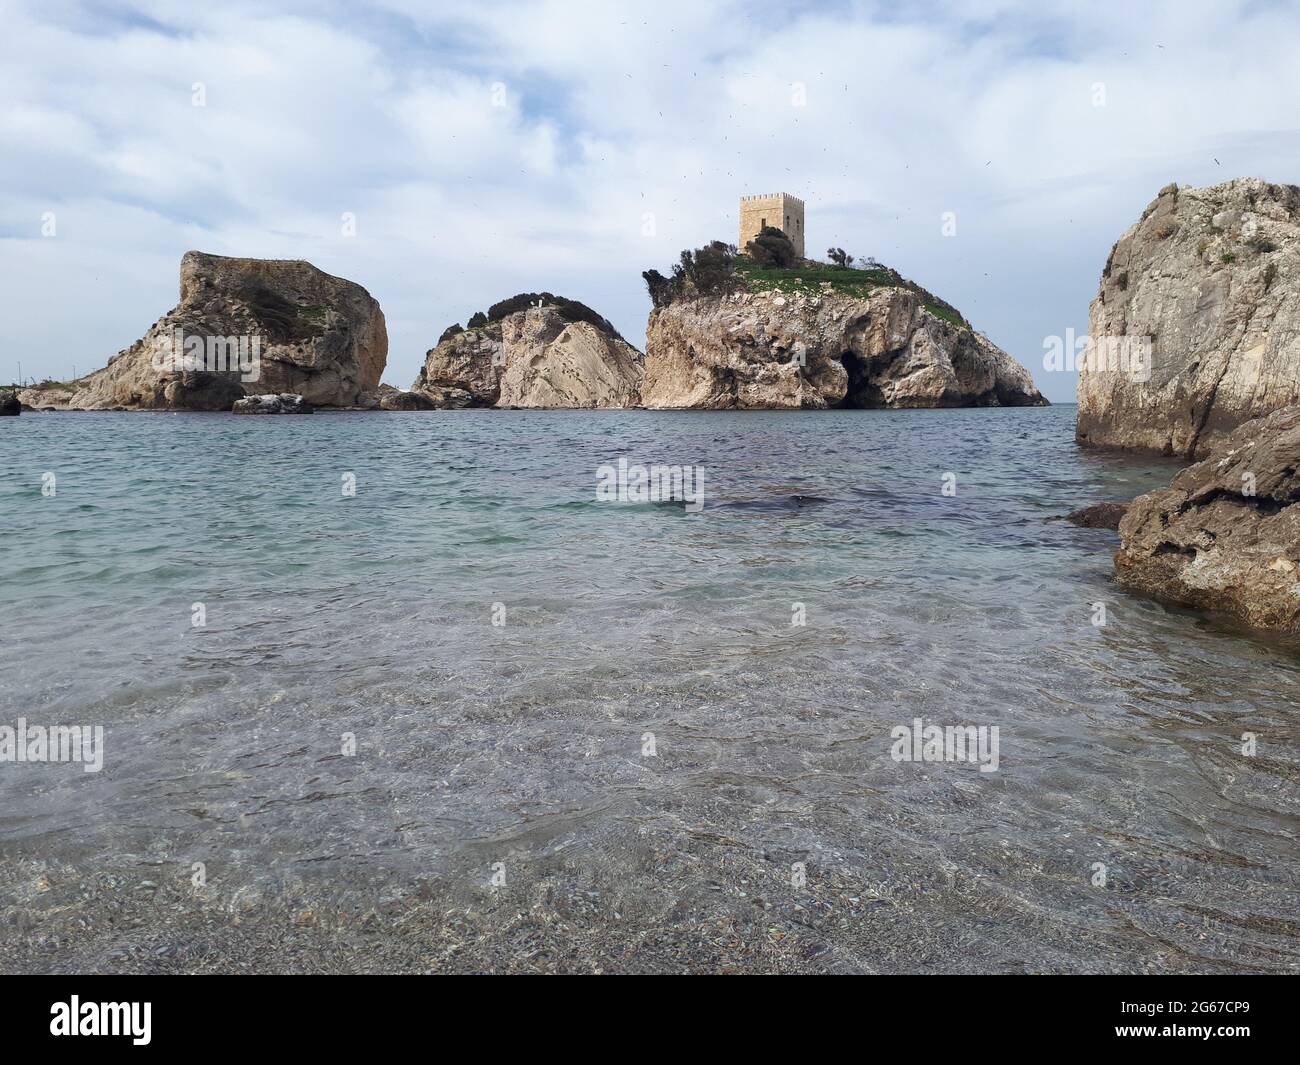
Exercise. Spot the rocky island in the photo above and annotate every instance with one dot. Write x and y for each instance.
(534, 350)
(743, 332)
(767, 329)
(243, 327)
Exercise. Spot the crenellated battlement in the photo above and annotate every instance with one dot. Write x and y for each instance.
(771, 196)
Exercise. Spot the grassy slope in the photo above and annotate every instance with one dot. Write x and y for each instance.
(809, 276)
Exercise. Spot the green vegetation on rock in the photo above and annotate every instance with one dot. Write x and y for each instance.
(282, 320)
(810, 277)
(717, 270)
(771, 249)
(569, 310)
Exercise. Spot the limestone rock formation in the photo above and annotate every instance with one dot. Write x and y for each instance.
(248, 327)
(469, 361)
(1225, 535)
(1210, 277)
(821, 349)
(284, 403)
(535, 357)
(551, 362)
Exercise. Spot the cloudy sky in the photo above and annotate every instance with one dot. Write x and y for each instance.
(490, 148)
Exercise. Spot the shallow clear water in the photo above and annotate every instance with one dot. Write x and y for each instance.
(522, 743)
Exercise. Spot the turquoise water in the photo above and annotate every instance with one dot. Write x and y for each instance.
(522, 743)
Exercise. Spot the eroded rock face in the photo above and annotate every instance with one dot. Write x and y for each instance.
(551, 362)
(316, 335)
(10, 405)
(1225, 535)
(469, 361)
(769, 350)
(1210, 277)
(534, 358)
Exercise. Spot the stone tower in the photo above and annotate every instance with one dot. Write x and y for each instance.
(780, 210)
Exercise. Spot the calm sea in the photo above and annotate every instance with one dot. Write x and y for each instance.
(596, 733)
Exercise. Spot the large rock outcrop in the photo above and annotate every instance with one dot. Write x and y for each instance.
(819, 349)
(537, 357)
(314, 335)
(1225, 535)
(1209, 279)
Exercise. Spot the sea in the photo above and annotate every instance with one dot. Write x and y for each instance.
(408, 692)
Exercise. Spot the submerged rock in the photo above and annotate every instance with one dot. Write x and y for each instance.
(1207, 280)
(1225, 535)
(758, 350)
(1099, 516)
(558, 356)
(248, 327)
(285, 403)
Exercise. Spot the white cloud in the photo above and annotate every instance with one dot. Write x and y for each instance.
(465, 194)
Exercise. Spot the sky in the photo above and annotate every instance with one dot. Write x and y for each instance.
(448, 155)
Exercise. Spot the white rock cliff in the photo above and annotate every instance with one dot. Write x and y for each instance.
(1210, 278)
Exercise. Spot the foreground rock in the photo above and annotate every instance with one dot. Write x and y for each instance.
(558, 355)
(755, 350)
(1225, 535)
(267, 327)
(1209, 277)
(1099, 516)
(10, 405)
(285, 403)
